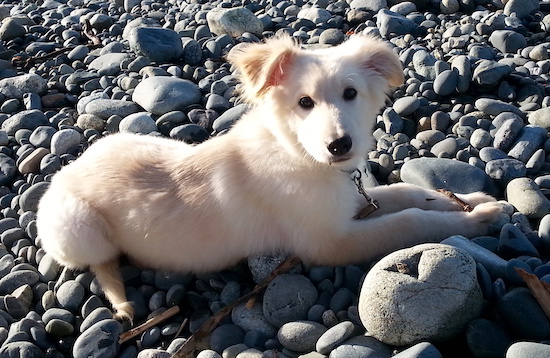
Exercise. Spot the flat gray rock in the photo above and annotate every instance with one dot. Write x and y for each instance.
(16, 87)
(160, 95)
(453, 175)
(159, 44)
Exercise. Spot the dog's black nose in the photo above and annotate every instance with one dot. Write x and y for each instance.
(340, 146)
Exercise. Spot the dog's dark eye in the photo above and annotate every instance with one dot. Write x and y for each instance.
(306, 102)
(350, 93)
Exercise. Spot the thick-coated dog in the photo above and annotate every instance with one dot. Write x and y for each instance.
(279, 180)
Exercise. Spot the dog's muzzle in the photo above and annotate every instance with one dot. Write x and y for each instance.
(340, 147)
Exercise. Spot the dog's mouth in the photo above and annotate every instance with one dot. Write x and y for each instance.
(339, 159)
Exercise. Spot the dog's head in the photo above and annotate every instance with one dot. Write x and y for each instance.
(321, 104)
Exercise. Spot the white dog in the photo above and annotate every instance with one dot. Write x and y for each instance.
(279, 180)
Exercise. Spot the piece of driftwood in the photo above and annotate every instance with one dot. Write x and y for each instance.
(465, 206)
(27, 63)
(199, 339)
(539, 289)
(134, 332)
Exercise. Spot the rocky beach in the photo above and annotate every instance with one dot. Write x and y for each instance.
(472, 115)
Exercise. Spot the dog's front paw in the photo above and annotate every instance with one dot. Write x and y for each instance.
(483, 215)
(474, 199)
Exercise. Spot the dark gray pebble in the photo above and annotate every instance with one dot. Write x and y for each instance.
(288, 298)
(21, 349)
(30, 198)
(98, 341)
(504, 170)
(514, 243)
(159, 44)
(521, 314)
(190, 133)
(487, 339)
(529, 140)
(225, 336)
(16, 279)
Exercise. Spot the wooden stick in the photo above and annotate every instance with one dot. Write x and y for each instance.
(199, 339)
(465, 206)
(134, 332)
(537, 287)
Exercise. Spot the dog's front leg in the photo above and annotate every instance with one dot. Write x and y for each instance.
(376, 236)
(401, 196)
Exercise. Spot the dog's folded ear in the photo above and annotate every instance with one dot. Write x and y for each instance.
(377, 57)
(262, 65)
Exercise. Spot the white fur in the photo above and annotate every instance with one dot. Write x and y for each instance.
(269, 184)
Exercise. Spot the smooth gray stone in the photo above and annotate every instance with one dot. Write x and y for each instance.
(420, 350)
(160, 95)
(540, 118)
(64, 141)
(11, 29)
(334, 336)
(159, 44)
(461, 64)
(105, 108)
(30, 198)
(495, 265)
(405, 106)
(99, 341)
(453, 175)
(288, 298)
(527, 198)
(504, 170)
(490, 73)
(16, 279)
(424, 64)
(362, 346)
(446, 82)
(28, 119)
(233, 21)
(521, 8)
(529, 140)
(507, 41)
(521, 313)
(487, 339)
(393, 23)
(8, 169)
(16, 87)
(369, 5)
(21, 349)
(404, 307)
(528, 350)
(108, 59)
(300, 336)
(253, 319)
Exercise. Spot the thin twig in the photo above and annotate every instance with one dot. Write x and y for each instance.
(134, 332)
(199, 339)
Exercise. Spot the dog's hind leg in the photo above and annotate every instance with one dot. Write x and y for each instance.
(110, 279)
